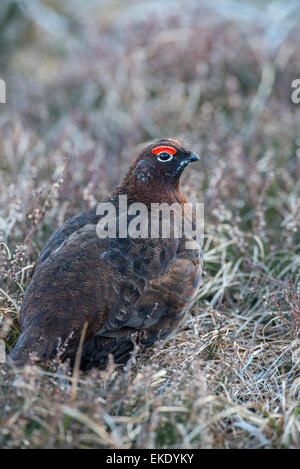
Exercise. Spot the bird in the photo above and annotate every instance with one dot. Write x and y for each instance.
(121, 290)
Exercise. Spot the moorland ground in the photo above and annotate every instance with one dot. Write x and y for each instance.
(86, 87)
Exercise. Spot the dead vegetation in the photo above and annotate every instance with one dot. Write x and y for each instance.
(87, 86)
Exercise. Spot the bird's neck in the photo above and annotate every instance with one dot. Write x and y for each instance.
(152, 192)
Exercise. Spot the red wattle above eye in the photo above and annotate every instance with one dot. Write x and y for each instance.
(162, 148)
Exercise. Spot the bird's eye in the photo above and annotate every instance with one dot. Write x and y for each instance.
(164, 156)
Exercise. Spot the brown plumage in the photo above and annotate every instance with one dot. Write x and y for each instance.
(118, 286)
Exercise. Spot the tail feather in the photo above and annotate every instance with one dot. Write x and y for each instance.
(30, 346)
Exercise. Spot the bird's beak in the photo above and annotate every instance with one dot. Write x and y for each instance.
(192, 157)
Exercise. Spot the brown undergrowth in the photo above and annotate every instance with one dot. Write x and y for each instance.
(85, 91)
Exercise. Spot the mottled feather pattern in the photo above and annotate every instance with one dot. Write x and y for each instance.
(119, 286)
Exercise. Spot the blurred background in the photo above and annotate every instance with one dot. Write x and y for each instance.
(88, 83)
(93, 81)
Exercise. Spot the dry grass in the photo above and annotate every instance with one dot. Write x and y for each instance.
(86, 88)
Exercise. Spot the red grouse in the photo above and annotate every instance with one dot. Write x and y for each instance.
(118, 286)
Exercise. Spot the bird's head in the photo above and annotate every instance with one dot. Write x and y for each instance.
(155, 174)
(163, 162)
